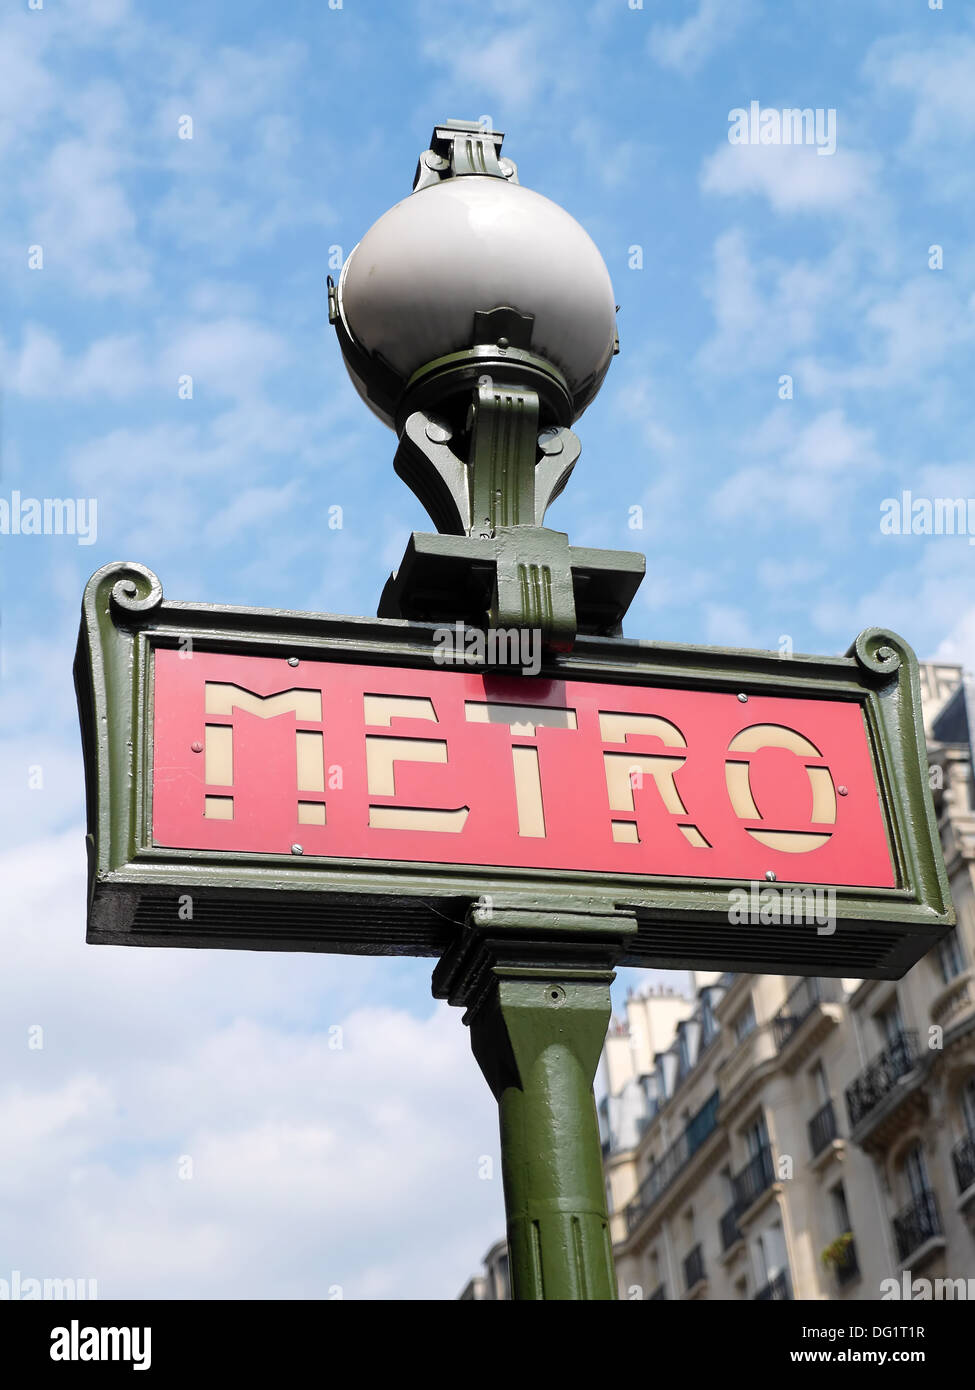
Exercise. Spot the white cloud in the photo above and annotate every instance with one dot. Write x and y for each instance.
(313, 1165)
(27, 90)
(805, 472)
(80, 212)
(726, 625)
(765, 310)
(939, 77)
(222, 88)
(503, 58)
(503, 68)
(247, 508)
(959, 644)
(84, 14)
(227, 357)
(922, 589)
(114, 366)
(605, 152)
(779, 575)
(793, 178)
(687, 46)
(904, 337)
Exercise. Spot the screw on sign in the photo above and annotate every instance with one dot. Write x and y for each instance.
(325, 784)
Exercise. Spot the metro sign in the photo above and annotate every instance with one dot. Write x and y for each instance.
(378, 762)
(282, 781)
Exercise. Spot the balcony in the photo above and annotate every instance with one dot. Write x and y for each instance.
(822, 1129)
(749, 1061)
(755, 1178)
(963, 1159)
(778, 1289)
(876, 1082)
(676, 1158)
(694, 1268)
(803, 1000)
(918, 1223)
(730, 1232)
(955, 1002)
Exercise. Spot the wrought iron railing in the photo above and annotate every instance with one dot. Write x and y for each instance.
(778, 1288)
(730, 1232)
(662, 1174)
(918, 1222)
(693, 1267)
(754, 1179)
(801, 1001)
(878, 1079)
(822, 1128)
(963, 1158)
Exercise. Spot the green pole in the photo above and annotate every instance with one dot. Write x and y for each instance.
(535, 984)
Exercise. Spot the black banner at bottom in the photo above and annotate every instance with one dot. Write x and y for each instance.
(166, 1340)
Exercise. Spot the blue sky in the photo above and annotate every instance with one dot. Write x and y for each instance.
(359, 1167)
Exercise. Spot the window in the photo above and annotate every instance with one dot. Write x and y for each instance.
(950, 957)
(761, 1262)
(709, 1024)
(756, 1137)
(841, 1212)
(775, 1249)
(916, 1173)
(890, 1023)
(683, 1053)
(968, 1105)
(770, 1258)
(820, 1084)
(745, 1022)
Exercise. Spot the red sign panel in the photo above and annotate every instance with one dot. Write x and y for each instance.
(255, 755)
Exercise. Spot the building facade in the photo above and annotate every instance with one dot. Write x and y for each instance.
(494, 1284)
(775, 1137)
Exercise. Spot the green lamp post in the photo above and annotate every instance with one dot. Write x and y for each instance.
(477, 319)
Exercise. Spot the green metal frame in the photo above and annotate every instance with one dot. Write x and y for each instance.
(356, 906)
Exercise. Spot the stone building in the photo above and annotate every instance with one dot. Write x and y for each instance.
(494, 1283)
(776, 1137)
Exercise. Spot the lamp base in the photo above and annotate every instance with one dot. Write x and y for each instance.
(519, 577)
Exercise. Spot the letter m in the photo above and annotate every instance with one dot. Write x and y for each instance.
(797, 126)
(305, 705)
(60, 1288)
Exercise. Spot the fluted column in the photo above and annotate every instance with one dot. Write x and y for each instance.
(536, 986)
